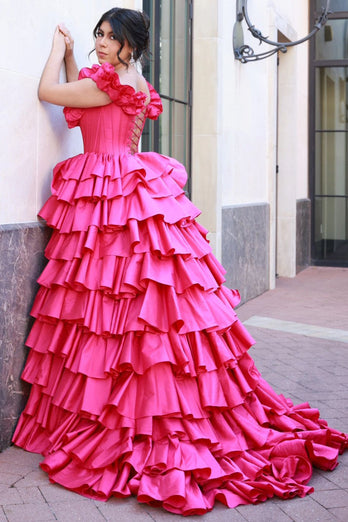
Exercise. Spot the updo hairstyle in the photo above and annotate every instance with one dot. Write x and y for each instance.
(131, 26)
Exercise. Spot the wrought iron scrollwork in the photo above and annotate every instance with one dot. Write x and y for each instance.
(245, 53)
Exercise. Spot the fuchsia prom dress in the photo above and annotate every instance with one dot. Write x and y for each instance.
(141, 380)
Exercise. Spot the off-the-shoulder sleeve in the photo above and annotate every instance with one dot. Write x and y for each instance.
(154, 107)
(107, 80)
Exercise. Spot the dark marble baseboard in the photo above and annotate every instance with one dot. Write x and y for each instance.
(245, 248)
(303, 234)
(21, 261)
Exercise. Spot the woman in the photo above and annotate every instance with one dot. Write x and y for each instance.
(141, 381)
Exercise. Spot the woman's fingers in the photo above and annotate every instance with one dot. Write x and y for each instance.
(63, 29)
(69, 41)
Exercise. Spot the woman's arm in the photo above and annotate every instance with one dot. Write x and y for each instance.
(82, 93)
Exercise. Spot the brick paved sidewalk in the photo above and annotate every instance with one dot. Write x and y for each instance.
(301, 329)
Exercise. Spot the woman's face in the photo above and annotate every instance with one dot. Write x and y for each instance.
(107, 47)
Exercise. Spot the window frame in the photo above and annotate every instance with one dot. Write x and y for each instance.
(152, 73)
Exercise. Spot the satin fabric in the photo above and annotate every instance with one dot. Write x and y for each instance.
(141, 379)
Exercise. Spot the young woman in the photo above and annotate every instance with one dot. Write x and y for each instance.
(141, 380)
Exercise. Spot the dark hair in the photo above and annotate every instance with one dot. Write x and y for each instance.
(129, 26)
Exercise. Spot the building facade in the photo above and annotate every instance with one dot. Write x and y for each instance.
(328, 173)
(265, 143)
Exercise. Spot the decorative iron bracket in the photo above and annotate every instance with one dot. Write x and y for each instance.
(245, 53)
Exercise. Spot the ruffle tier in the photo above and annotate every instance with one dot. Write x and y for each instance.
(106, 191)
(141, 379)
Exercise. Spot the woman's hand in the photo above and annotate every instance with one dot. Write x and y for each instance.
(71, 69)
(58, 44)
(68, 39)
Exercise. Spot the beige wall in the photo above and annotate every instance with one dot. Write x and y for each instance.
(33, 135)
(235, 121)
(206, 133)
(292, 21)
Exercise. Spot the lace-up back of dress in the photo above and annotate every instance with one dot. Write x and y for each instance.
(138, 126)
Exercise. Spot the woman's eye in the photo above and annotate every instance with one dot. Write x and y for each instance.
(113, 37)
(99, 34)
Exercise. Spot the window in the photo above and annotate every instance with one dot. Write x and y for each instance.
(329, 137)
(170, 72)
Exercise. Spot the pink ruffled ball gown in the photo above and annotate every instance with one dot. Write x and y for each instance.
(141, 380)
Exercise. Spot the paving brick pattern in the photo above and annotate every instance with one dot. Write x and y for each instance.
(300, 365)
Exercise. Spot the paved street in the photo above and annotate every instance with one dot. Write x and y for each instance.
(301, 329)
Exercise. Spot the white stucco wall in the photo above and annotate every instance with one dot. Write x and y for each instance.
(248, 102)
(33, 135)
(246, 117)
